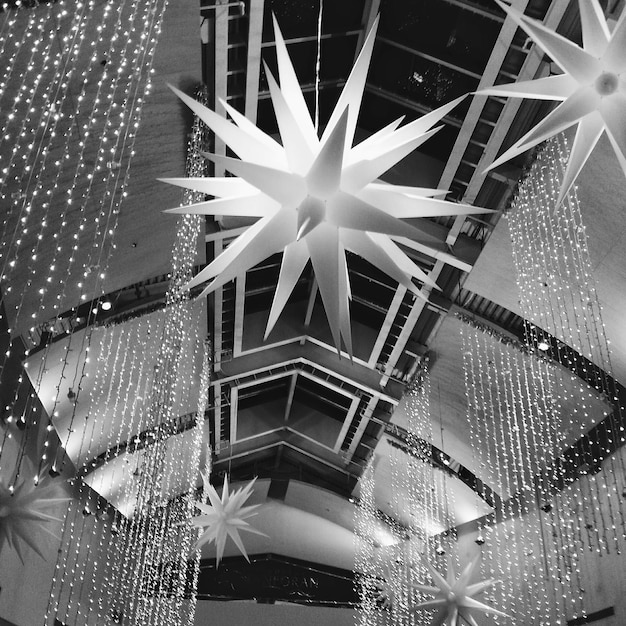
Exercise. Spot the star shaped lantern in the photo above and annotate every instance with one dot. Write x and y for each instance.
(317, 197)
(592, 88)
(225, 517)
(454, 596)
(25, 511)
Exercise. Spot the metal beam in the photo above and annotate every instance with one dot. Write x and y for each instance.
(386, 327)
(529, 70)
(218, 314)
(253, 68)
(370, 10)
(292, 390)
(311, 304)
(221, 78)
(354, 405)
(476, 106)
(405, 333)
(311, 38)
(365, 417)
(467, 5)
(220, 235)
(234, 409)
(240, 297)
(409, 104)
(430, 57)
(532, 67)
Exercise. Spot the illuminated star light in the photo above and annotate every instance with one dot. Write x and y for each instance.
(316, 197)
(225, 517)
(453, 597)
(25, 511)
(592, 88)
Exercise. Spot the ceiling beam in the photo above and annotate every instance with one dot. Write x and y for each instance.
(240, 296)
(492, 70)
(371, 9)
(221, 78)
(354, 405)
(489, 76)
(531, 68)
(429, 57)
(253, 66)
(364, 421)
(234, 409)
(403, 337)
(290, 395)
(392, 311)
(408, 103)
(311, 38)
(467, 5)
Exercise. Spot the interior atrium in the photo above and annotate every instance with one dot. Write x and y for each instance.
(392, 323)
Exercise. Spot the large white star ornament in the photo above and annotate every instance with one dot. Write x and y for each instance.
(454, 596)
(592, 88)
(25, 511)
(225, 517)
(317, 197)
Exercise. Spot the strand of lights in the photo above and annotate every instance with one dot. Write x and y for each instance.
(91, 541)
(484, 454)
(427, 490)
(143, 14)
(17, 113)
(129, 95)
(27, 147)
(558, 294)
(190, 510)
(146, 536)
(364, 561)
(154, 12)
(512, 416)
(60, 77)
(101, 561)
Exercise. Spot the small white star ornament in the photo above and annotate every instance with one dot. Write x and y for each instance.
(454, 596)
(225, 517)
(315, 198)
(592, 88)
(27, 511)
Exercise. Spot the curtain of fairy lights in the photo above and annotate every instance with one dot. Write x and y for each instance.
(558, 295)
(365, 563)
(137, 562)
(73, 81)
(387, 574)
(421, 495)
(531, 545)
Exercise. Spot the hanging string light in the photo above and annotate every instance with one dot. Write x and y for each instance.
(559, 298)
(365, 565)
(421, 495)
(145, 372)
(533, 544)
(125, 31)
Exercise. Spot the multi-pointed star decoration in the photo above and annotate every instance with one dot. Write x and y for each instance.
(592, 87)
(225, 517)
(454, 596)
(317, 197)
(25, 511)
